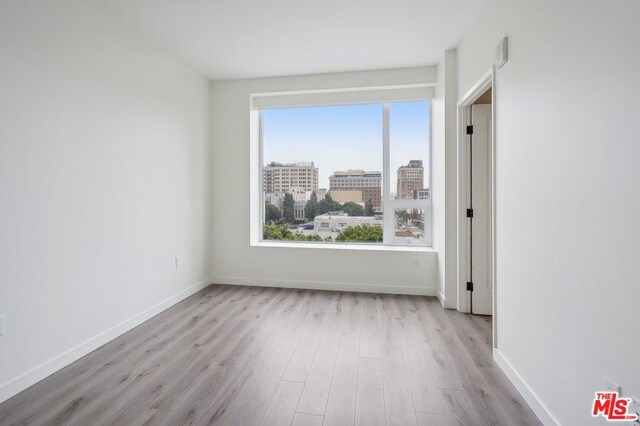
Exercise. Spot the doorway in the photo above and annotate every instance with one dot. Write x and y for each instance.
(476, 211)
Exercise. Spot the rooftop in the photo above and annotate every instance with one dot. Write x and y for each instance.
(297, 164)
(356, 172)
(413, 164)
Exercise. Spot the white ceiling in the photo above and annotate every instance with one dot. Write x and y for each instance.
(227, 39)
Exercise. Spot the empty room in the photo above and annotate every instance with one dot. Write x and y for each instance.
(341, 212)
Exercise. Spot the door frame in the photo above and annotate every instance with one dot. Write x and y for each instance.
(486, 82)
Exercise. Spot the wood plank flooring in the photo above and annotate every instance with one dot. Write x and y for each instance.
(265, 356)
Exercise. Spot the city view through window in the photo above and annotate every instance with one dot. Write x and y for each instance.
(323, 181)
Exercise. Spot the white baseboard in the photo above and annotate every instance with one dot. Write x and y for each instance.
(450, 303)
(326, 285)
(446, 303)
(20, 383)
(527, 393)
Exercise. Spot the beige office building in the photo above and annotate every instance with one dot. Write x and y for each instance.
(369, 183)
(347, 196)
(280, 178)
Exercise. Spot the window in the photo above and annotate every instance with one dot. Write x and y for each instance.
(350, 173)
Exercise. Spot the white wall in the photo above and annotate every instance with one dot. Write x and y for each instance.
(104, 179)
(568, 198)
(236, 262)
(444, 153)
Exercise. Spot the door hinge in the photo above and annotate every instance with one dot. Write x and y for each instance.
(469, 212)
(469, 286)
(469, 130)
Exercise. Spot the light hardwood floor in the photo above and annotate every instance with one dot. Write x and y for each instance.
(266, 356)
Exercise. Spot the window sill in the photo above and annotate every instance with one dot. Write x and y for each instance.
(344, 246)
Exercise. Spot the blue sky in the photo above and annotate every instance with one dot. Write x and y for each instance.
(347, 137)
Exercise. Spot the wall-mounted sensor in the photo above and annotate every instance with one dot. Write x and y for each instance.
(501, 53)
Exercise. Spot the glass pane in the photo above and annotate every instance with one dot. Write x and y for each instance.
(322, 173)
(409, 225)
(409, 148)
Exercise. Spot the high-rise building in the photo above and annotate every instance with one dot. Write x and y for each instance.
(421, 194)
(280, 178)
(369, 183)
(410, 179)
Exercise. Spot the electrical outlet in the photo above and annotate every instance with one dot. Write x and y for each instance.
(1, 325)
(611, 386)
(416, 262)
(177, 262)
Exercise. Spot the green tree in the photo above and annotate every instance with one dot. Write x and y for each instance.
(361, 233)
(311, 208)
(272, 213)
(287, 208)
(403, 216)
(328, 205)
(352, 209)
(368, 208)
(275, 232)
(283, 232)
(300, 237)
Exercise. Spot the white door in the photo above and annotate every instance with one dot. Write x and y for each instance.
(479, 301)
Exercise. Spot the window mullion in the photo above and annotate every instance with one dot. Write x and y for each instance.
(388, 216)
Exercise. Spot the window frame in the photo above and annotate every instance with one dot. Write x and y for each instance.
(389, 205)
